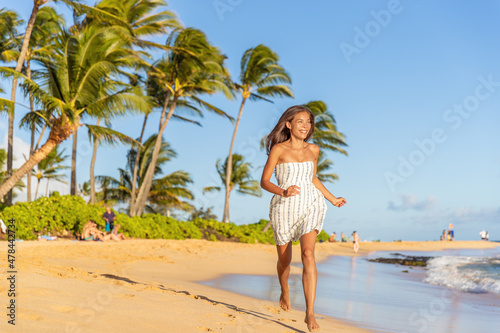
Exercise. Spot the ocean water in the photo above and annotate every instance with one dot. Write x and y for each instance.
(459, 291)
(465, 273)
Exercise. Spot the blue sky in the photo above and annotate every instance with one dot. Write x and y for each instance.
(414, 86)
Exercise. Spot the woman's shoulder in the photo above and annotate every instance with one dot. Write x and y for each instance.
(313, 147)
(279, 147)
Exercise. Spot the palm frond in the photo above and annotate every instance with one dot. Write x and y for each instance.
(109, 136)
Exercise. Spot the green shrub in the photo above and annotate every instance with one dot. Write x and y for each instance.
(323, 236)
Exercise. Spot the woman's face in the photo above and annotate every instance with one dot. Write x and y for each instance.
(300, 125)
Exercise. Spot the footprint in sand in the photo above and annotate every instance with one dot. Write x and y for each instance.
(228, 315)
(204, 328)
(272, 309)
(284, 319)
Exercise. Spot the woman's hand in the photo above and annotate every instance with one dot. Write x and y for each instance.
(339, 202)
(291, 191)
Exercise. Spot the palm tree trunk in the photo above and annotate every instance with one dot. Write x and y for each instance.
(19, 66)
(72, 190)
(136, 164)
(28, 175)
(26, 167)
(47, 188)
(40, 137)
(32, 142)
(138, 207)
(93, 199)
(229, 167)
(37, 185)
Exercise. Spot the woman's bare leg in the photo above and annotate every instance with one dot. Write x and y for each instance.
(283, 266)
(309, 277)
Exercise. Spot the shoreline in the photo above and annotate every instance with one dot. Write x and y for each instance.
(152, 284)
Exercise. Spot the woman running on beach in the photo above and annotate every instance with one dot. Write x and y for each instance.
(298, 207)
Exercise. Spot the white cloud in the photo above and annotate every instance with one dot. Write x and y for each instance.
(410, 201)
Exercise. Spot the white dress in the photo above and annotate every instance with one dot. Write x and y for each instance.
(300, 214)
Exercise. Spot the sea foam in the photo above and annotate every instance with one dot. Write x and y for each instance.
(468, 274)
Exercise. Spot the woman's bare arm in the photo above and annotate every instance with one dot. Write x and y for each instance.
(265, 181)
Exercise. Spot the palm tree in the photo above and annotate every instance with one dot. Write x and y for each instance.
(241, 179)
(3, 159)
(138, 21)
(20, 60)
(79, 80)
(48, 24)
(141, 22)
(9, 51)
(192, 67)
(9, 39)
(49, 168)
(261, 77)
(166, 192)
(19, 65)
(137, 16)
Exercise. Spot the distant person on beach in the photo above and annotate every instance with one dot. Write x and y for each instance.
(483, 235)
(110, 218)
(342, 237)
(333, 238)
(443, 236)
(487, 236)
(451, 232)
(355, 241)
(115, 232)
(90, 232)
(298, 206)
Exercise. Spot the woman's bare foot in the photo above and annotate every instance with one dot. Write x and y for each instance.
(285, 299)
(312, 325)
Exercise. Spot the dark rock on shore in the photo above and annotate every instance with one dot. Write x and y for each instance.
(405, 261)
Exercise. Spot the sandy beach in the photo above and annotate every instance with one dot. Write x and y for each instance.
(151, 285)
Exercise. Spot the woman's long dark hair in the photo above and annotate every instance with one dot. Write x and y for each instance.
(281, 133)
